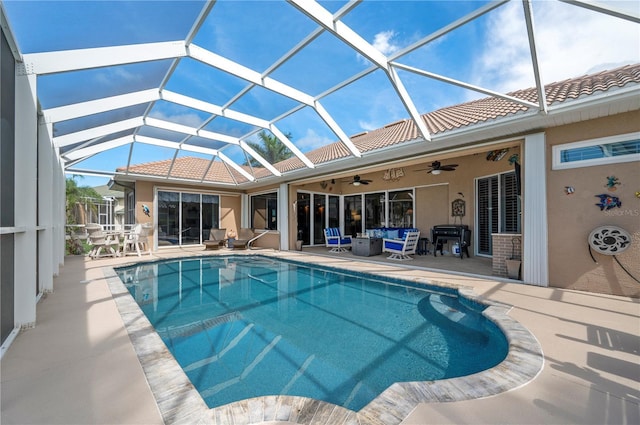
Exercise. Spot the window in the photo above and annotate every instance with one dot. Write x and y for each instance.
(264, 211)
(608, 150)
(131, 207)
(498, 209)
(353, 215)
(401, 208)
(374, 204)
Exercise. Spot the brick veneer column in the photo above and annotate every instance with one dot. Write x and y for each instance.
(503, 248)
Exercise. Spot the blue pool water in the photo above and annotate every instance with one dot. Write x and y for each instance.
(250, 326)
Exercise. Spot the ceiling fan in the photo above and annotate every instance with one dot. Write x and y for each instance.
(357, 181)
(436, 168)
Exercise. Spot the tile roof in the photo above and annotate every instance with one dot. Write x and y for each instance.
(439, 121)
(190, 168)
(470, 113)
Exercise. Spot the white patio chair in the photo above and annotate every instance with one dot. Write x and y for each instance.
(334, 240)
(401, 249)
(137, 240)
(100, 240)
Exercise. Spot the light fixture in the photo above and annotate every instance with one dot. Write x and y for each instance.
(356, 183)
(436, 172)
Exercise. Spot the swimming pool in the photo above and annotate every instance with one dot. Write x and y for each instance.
(231, 322)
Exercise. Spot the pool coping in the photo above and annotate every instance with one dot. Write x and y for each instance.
(179, 402)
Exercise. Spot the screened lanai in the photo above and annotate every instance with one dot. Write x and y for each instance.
(169, 99)
(125, 83)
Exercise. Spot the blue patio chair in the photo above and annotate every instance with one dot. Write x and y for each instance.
(400, 249)
(334, 240)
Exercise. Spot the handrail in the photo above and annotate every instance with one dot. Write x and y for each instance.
(257, 237)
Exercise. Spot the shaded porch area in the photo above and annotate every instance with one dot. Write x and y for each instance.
(475, 265)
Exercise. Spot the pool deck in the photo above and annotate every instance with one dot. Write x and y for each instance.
(79, 366)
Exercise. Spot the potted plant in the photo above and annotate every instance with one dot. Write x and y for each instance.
(513, 262)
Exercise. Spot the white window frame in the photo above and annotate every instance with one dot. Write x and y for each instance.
(557, 150)
(250, 206)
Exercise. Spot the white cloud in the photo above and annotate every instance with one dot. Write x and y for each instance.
(312, 140)
(370, 125)
(115, 76)
(383, 42)
(191, 120)
(571, 41)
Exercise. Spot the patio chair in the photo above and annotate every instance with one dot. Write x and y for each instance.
(334, 240)
(138, 240)
(100, 240)
(245, 236)
(401, 249)
(217, 239)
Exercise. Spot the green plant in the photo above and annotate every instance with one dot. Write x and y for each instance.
(74, 246)
(77, 198)
(270, 148)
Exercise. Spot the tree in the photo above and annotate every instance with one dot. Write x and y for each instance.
(77, 198)
(270, 148)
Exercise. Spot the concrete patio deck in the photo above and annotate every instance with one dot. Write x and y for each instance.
(78, 366)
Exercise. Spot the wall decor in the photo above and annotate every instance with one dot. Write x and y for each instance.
(612, 182)
(393, 174)
(458, 207)
(638, 194)
(146, 211)
(497, 154)
(569, 190)
(608, 202)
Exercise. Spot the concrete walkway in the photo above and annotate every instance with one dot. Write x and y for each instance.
(78, 365)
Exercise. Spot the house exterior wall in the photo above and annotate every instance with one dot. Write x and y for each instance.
(434, 193)
(230, 204)
(572, 217)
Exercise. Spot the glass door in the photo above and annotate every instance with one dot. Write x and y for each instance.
(304, 217)
(210, 211)
(353, 215)
(487, 213)
(334, 211)
(168, 218)
(190, 219)
(319, 218)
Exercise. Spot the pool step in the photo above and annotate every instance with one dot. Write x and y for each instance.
(234, 342)
(247, 370)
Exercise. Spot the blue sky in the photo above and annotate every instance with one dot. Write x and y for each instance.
(491, 52)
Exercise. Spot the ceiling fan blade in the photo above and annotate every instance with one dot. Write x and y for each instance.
(448, 168)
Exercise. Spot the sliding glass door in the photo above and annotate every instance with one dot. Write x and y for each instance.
(168, 218)
(186, 218)
(190, 219)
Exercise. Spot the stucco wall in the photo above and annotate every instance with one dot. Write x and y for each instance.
(573, 217)
(434, 193)
(229, 204)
